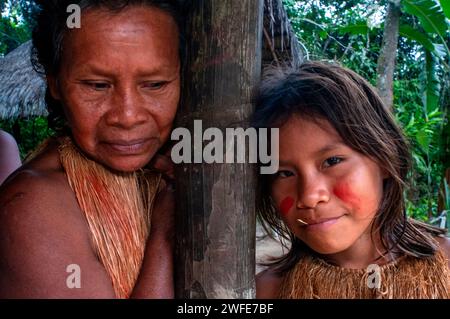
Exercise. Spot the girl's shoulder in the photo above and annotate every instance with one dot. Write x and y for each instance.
(268, 283)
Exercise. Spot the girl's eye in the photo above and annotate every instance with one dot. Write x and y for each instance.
(332, 161)
(155, 85)
(284, 174)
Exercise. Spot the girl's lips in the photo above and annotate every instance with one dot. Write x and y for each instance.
(321, 224)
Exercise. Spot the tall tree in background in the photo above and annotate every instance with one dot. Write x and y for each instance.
(388, 53)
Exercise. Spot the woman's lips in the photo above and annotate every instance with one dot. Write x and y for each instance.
(132, 147)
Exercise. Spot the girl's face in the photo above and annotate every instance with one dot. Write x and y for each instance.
(322, 181)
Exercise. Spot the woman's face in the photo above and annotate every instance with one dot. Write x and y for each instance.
(334, 189)
(119, 84)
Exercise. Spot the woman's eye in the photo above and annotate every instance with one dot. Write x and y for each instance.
(284, 174)
(332, 161)
(98, 86)
(155, 85)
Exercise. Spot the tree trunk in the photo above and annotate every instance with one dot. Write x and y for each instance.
(215, 246)
(388, 53)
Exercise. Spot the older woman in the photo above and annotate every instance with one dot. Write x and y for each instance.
(83, 218)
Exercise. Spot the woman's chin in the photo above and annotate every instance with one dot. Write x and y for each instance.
(126, 165)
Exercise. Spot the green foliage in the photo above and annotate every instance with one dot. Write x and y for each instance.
(12, 34)
(423, 130)
(422, 39)
(445, 5)
(15, 23)
(430, 15)
(28, 132)
(431, 85)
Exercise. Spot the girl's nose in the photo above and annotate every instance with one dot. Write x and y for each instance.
(312, 191)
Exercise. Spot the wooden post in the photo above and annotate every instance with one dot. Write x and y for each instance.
(215, 246)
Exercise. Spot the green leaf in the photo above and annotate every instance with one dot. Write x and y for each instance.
(445, 5)
(411, 122)
(413, 34)
(356, 29)
(423, 138)
(323, 34)
(432, 85)
(424, 39)
(430, 15)
(436, 113)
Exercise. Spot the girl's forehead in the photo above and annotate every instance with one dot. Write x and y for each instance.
(308, 126)
(305, 138)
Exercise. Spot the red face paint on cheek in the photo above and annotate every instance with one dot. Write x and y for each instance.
(286, 205)
(345, 193)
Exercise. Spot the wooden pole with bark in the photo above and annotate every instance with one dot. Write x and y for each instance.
(215, 219)
(388, 53)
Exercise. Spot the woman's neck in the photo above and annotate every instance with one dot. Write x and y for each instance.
(365, 251)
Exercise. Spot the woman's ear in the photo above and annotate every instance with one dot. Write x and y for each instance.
(53, 86)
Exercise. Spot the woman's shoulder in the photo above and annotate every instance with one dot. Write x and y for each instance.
(37, 188)
(42, 172)
(37, 200)
(268, 283)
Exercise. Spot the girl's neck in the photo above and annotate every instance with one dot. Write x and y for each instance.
(365, 251)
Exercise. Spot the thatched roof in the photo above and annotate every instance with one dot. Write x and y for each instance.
(22, 90)
(280, 44)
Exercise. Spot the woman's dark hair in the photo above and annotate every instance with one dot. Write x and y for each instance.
(51, 28)
(351, 105)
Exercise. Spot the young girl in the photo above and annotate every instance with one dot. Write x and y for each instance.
(338, 193)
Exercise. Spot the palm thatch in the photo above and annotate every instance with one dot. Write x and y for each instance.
(22, 90)
(280, 44)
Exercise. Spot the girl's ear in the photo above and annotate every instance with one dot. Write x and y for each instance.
(53, 86)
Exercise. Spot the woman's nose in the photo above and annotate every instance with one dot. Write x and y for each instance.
(128, 109)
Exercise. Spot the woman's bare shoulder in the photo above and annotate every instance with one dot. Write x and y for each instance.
(42, 231)
(268, 283)
(39, 196)
(41, 175)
